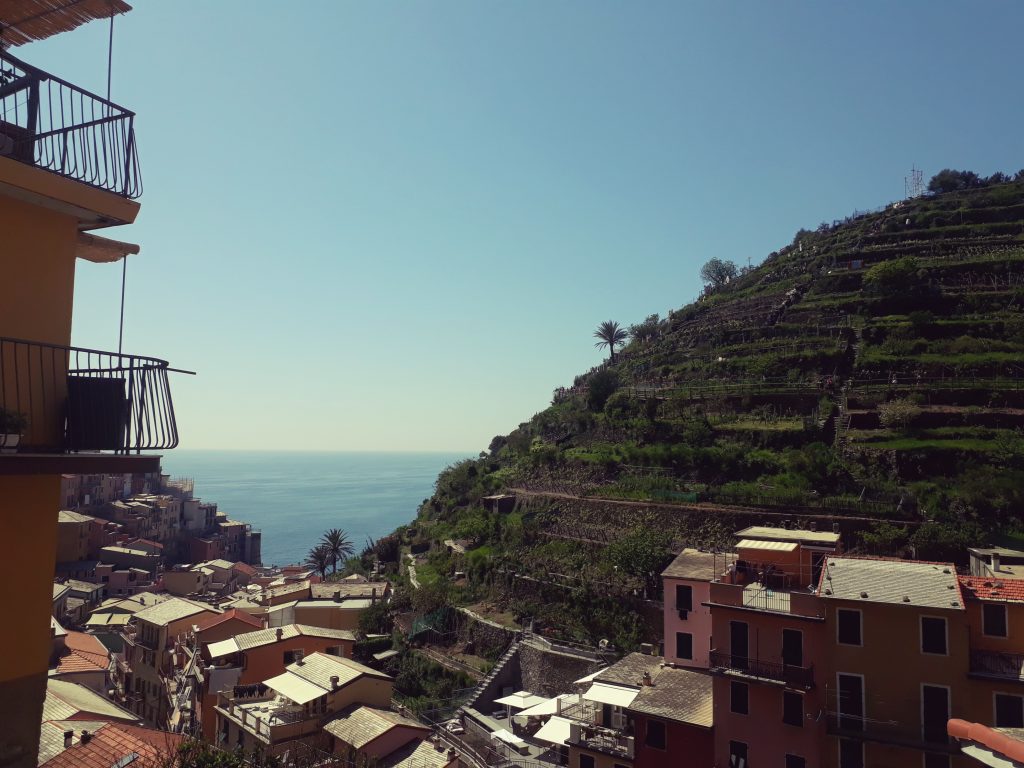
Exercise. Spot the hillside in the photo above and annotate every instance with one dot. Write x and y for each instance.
(867, 376)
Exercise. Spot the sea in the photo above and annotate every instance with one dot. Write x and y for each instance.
(293, 497)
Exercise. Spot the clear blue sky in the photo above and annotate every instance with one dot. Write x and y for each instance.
(395, 225)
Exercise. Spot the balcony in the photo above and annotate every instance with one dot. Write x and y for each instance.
(797, 603)
(78, 402)
(1002, 666)
(267, 716)
(788, 675)
(932, 738)
(605, 740)
(51, 124)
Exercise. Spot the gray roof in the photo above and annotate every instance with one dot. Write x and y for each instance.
(358, 725)
(630, 669)
(767, 533)
(67, 516)
(269, 635)
(66, 700)
(415, 754)
(59, 590)
(172, 610)
(327, 590)
(694, 564)
(900, 582)
(682, 695)
(319, 668)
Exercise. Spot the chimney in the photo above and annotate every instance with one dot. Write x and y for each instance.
(86, 737)
(334, 682)
(995, 562)
(337, 595)
(68, 737)
(814, 526)
(373, 596)
(300, 654)
(280, 633)
(647, 679)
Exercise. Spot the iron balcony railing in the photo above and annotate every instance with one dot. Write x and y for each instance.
(930, 736)
(76, 399)
(789, 674)
(1009, 666)
(52, 124)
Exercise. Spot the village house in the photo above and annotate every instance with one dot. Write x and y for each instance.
(687, 626)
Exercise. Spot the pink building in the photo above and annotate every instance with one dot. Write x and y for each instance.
(687, 585)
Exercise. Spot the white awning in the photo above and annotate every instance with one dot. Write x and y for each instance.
(555, 731)
(520, 700)
(775, 546)
(508, 737)
(611, 694)
(295, 688)
(589, 677)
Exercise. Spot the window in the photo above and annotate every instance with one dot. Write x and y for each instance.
(848, 629)
(684, 645)
(1009, 711)
(655, 736)
(739, 698)
(793, 647)
(993, 619)
(934, 713)
(850, 701)
(936, 761)
(795, 761)
(851, 753)
(933, 635)
(737, 754)
(793, 708)
(684, 597)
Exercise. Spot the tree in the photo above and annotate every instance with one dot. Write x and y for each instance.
(948, 180)
(600, 387)
(337, 543)
(609, 334)
(718, 272)
(646, 330)
(892, 276)
(319, 558)
(643, 552)
(898, 414)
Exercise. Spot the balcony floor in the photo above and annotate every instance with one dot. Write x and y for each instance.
(77, 463)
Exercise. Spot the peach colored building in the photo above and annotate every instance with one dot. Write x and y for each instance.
(687, 589)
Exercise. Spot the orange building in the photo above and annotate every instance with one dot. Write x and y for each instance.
(68, 166)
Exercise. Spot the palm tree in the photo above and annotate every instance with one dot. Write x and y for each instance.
(319, 557)
(610, 334)
(339, 546)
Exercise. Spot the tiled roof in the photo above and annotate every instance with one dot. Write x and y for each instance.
(899, 582)
(261, 637)
(59, 590)
(245, 568)
(171, 610)
(415, 754)
(224, 565)
(51, 735)
(694, 564)
(112, 744)
(83, 653)
(83, 586)
(814, 538)
(228, 615)
(67, 516)
(65, 701)
(630, 669)
(327, 590)
(358, 725)
(989, 588)
(682, 695)
(318, 668)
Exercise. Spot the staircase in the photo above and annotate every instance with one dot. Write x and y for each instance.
(490, 676)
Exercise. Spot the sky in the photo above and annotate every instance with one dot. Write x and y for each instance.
(395, 226)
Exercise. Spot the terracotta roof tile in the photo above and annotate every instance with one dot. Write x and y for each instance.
(989, 588)
(83, 653)
(112, 742)
(212, 620)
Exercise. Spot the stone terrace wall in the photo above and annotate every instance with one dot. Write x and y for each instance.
(548, 672)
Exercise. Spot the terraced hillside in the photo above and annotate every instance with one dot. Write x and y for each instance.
(866, 376)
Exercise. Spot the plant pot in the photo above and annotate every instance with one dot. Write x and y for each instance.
(9, 443)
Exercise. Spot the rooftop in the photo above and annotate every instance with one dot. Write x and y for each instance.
(989, 588)
(899, 582)
(82, 653)
(65, 701)
(228, 615)
(629, 670)
(328, 590)
(693, 564)
(415, 754)
(172, 610)
(358, 725)
(67, 516)
(802, 536)
(310, 678)
(682, 695)
(260, 637)
(115, 745)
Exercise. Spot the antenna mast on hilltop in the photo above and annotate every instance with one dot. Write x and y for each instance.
(913, 185)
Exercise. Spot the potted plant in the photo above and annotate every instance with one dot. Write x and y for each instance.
(12, 426)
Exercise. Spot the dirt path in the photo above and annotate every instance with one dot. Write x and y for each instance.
(713, 509)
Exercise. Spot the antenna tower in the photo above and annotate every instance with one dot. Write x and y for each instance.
(913, 185)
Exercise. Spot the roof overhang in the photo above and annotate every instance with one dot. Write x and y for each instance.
(102, 250)
(26, 20)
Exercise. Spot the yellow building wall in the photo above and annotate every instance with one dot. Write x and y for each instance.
(28, 530)
(72, 541)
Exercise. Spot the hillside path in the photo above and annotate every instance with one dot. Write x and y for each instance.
(711, 508)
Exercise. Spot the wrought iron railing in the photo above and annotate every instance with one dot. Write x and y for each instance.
(1009, 666)
(52, 124)
(76, 399)
(931, 736)
(790, 674)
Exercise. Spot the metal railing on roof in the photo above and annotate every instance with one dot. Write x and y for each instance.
(54, 125)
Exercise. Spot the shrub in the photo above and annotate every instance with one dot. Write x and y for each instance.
(948, 180)
(717, 272)
(891, 277)
(601, 386)
(898, 414)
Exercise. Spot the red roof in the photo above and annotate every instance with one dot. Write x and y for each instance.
(111, 743)
(245, 568)
(997, 741)
(212, 620)
(83, 653)
(988, 588)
